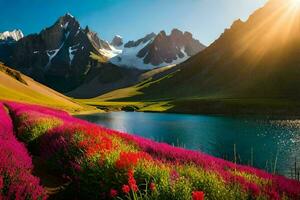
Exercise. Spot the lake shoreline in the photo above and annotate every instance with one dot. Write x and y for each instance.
(212, 134)
(203, 107)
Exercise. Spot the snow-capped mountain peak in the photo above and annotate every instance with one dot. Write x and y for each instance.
(61, 51)
(158, 50)
(14, 35)
(70, 15)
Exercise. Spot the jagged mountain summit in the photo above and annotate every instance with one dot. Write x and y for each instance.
(117, 41)
(60, 55)
(157, 50)
(11, 36)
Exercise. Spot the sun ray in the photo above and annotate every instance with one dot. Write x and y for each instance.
(285, 19)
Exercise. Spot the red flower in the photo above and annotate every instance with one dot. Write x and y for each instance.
(131, 181)
(130, 159)
(198, 195)
(113, 193)
(126, 189)
(94, 144)
(134, 188)
(152, 186)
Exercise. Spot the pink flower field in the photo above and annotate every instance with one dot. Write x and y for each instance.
(16, 180)
(105, 164)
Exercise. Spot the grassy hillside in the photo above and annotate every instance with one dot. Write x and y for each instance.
(108, 77)
(18, 87)
(135, 98)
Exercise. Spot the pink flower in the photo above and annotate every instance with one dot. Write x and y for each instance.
(174, 175)
(198, 195)
(113, 193)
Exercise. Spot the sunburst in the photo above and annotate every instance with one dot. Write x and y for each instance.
(295, 3)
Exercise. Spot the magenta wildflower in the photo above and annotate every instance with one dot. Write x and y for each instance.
(113, 193)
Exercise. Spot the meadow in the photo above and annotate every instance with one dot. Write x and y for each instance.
(100, 163)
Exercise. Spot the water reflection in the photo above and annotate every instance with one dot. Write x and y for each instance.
(258, 140)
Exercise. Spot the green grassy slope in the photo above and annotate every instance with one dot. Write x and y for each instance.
(134, 98)
(18, 87)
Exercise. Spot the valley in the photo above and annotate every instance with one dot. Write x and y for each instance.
(187, 101)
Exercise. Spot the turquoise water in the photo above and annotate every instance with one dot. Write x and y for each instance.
(260, 141)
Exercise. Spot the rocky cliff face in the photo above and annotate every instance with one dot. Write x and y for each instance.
(158, 50)
(117, 41)
(178, 46)
(58, 56)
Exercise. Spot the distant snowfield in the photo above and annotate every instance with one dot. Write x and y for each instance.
(15, 35)
(127, 57)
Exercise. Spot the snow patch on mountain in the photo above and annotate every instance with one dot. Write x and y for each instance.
(178, 60)
(154, 50)
(14, 35)
(113, 52)
(51, 54)
(65, 26)
(72, 51)
(128, 57)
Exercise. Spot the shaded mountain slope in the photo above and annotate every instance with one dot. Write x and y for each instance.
(258, 58)
(108, 77)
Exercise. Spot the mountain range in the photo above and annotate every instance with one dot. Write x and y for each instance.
(63, 55)
(156, 50)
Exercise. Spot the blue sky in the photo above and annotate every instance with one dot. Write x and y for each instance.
(132, 19)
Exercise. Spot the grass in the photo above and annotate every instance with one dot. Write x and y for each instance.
(200, 105)
(154, 95)
(142, 98)
(15, 86)
(162, 106)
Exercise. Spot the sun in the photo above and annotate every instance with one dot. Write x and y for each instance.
(295, 3)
